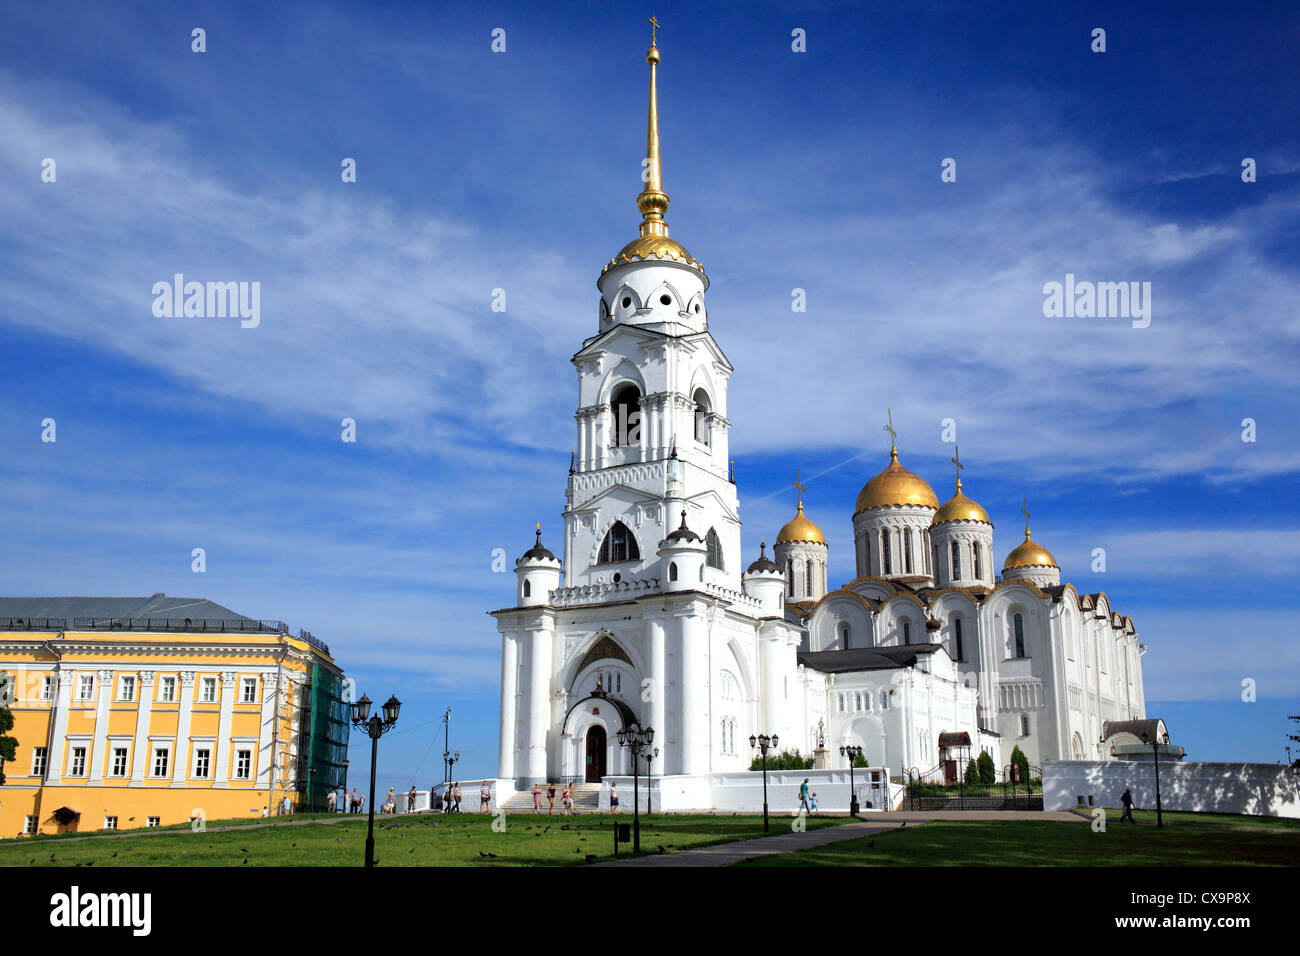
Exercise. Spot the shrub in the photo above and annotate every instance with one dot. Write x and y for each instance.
(972, 774)
(1021, 763)
(988, 772)
(785, 760)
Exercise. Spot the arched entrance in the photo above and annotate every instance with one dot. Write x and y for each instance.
(595, 758)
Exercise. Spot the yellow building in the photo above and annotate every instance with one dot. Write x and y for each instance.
(133, 712)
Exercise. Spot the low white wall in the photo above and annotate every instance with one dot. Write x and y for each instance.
(743, 792)
(1258, 789)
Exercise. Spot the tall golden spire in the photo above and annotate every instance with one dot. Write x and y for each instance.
(653, 201)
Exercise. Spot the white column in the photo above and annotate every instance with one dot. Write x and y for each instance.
(266, 734)
(140, 748)
(219, 774)
(58, 740)
(99, 736)
(181, 749)
(539, 702)
(658, 686)
(695, 710)
(509, 671)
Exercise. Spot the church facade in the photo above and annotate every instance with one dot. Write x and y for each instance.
(650, 614)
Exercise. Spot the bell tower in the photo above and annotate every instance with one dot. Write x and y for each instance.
(652, 426)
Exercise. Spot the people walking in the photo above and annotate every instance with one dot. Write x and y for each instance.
(332, 800)
(568, 800)
(410, 800)
(537, 798)
(550, 797)
(803, 795)
(354, 804)
(456, 797)
(485, 798)
(1127, 801)
(613, 797)
(812, 806)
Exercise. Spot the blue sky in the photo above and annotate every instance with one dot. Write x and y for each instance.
(518, 170)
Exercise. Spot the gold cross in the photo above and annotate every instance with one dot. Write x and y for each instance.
(1025, 511)
(798, 477)
(654, 25)
(893, 435)
(956, 460)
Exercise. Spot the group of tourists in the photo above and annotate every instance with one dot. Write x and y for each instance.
(566, 799)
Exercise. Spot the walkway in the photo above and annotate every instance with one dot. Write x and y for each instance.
(724, 854)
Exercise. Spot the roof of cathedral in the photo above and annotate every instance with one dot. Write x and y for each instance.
(866, 658)
(960, 508)
(683, 533)
(1029, 554)
(763, 563)
(653, 243)
(896, 486)
(800, 529)
(538, 552)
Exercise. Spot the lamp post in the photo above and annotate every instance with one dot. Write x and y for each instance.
(1155, 759)
(650, 756)
(451, 759)
(852, 753)
(375, 727)
(637, 741)
(763, 743)
(446, 749)
(343, 808)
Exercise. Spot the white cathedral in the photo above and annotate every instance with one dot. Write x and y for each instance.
(652, 617)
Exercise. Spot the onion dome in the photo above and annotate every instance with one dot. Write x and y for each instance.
(763, 564)
(800, 529)
(960, 508)
(654, 242)
(1030, 554)
(896, 486)
(683, 533)
(538, 552)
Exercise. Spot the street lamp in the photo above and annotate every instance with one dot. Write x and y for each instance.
(451, 759)
(375, 727)
(446, 748)
(637, 741)
(1155, 743)
(763, 743)
(853, 753)
(344, 809)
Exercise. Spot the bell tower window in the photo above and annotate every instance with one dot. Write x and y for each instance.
(701, 399)
(975, 554)
(626, 408)
(956, 561)
(714, 545)
(907, 550)
(619, 545)
(1018, 624)
(884, 546)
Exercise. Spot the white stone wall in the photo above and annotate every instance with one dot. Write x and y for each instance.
(1258, 789)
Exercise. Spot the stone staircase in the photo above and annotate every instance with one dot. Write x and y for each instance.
(586, 799)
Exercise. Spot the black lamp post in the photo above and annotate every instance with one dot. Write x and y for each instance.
(637, 741)
(763, 743)
(1155, 759)
(852, 753)
(451, 759)
(344, 808)
(649, 781)
(375, 727)
(446, 748)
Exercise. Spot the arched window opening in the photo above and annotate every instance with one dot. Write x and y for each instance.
(619, 545)
(884, 544)
(907, 632)
(672, 571)
(714, 545)
(701, 416)
(626, 408)
(1018, 623)
(907, 550)
(977, 564)
(846, 637)
(1024, 725)
(808, 579)
(789, 578)
(528, 588)
(956, 561)
(957, 641)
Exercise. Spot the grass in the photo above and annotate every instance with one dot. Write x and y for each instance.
(1049, 843)
(174, 827)
(416, 840)
(1182, 818)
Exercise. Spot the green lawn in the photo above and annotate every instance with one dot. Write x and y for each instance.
(1181, 818)
(1048, 843)
(418, 840)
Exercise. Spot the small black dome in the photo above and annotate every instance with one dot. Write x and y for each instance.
(683, 533)
(763, 564)
(537, 552)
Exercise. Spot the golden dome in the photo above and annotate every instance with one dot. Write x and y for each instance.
(657, 247)
(800, 529)
(896, 486)
(960, 508)
(1030, 554)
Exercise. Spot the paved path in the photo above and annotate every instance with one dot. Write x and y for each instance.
(724, 854)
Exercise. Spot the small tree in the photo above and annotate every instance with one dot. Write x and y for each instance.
(8, 745)
(988, 771)
(785, 760)
(972, 774)
(1021, 764)
(860, 761)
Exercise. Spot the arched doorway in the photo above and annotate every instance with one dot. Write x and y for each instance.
(595, 754)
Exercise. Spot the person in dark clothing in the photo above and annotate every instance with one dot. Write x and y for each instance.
(1127, 801)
